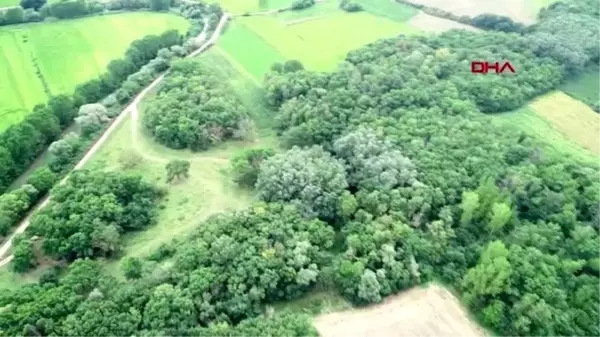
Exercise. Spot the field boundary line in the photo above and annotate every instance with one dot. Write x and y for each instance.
(99, 142)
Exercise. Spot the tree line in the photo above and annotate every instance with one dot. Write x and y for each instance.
(20, 144)
(40, 10)
(91, 118)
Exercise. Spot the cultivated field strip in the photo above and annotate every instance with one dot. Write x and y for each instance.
(431, 311)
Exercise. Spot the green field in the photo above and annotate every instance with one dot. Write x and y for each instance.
(66, 53)
(564, 125)
(253, 53)
(307, 43)
(243, 6)
(389, 9)
(584, 87)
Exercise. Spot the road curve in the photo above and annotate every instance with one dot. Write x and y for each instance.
(98, 144)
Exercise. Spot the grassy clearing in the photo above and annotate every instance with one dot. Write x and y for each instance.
(10, 280)
(584, 87)
(315, 303)
(564, 125)
(389, 9)
(67, 53)
(307, 42)
(209, 189)
(248, 49)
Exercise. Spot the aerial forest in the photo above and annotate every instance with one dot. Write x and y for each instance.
(391, 176)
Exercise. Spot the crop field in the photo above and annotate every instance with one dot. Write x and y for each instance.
(351, 31)
(519, 10)
(249, 50)
(389, 9)
(565, 125)
(66, 53)
(208, 190)
(431, 311)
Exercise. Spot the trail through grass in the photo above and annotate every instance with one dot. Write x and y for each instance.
(208, 190)
(67, 53)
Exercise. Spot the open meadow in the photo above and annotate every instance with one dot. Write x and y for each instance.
(331, 35)
(322, 35)
(53, 57)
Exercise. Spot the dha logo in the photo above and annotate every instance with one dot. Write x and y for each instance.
(482, 67)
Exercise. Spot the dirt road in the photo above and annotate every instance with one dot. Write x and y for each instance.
(98, 144)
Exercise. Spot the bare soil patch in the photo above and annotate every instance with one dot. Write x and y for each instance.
(431, 311)
(430, 23)
(517, 10)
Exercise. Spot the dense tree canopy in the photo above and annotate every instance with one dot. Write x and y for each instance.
(393, 150)
(194, 108)
(87, 215)
(309, 178)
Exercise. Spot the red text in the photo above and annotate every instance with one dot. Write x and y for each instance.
(482, 67)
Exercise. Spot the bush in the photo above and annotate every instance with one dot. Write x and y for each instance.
(301, 4)
(42, 179)
(23, 257)
(246, 165)
(350, 6)
(13, 15)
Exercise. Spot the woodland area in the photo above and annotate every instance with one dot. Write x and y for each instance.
(195, 109)
(393, 178)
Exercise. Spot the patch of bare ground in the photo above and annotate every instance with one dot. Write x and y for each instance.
(430, 23)
(517, 10)
(430, 311)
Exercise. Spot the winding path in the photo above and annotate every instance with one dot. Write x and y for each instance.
(114, 125)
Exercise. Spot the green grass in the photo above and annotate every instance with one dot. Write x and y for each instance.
(208, 190)
(10, 280)
(315, 303)
(317, 50)
(389, 9)
(584, 87)
(556, 127)
(243, 6)
(249, 50)
(351, 31)
(67, 53)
